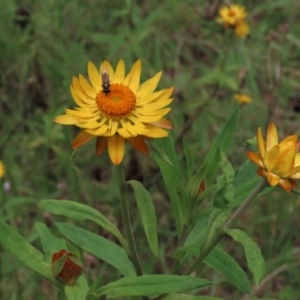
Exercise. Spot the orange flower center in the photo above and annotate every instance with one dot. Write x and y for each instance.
(118, 103)
(231, 13)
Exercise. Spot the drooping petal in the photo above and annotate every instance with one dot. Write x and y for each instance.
(65, 120)
(272, 178)
(94, 77)
(120, 72)
(255, 158)
(285, 184)
(163, 123)
(139, 144)
(272, 137)
(82, 138)
(101, 145)
(116, 149)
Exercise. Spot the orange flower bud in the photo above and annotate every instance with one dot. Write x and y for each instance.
(66, 267)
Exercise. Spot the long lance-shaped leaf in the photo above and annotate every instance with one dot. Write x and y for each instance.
(174, 296)
(81, 212)
(255, 260)
(147, 213)
(229, 268)
(150, 285)
(98, 246)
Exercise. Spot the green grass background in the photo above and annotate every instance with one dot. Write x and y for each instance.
(44, 43)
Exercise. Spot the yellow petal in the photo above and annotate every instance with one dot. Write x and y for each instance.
(94, 77)
(158, 104)
(120, 72)
(285, 162)
(2, 169)
(163, 123)
(148, 86)
(272, 178)
(261, 144)
(149, 118)
(255, 158)
(82, 138)
(101, 130)
(292, 138)
(76, 98)
(85, 98)
(81, 113)
(272, 137)
(151, 98)
(124, 133)
(65, 120)
(295, 173)
(271, 156)
(116, 149)
(101, 145)
(297, 160)
(132, 80)
(76, 84)
(139, 144)
(87, 87)
(155, 132)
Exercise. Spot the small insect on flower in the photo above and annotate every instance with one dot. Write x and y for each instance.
(105, 80)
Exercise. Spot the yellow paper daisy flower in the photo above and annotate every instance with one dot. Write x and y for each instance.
(230, 15)
(2, 169)
(278, 162)
(242, 98)
(116, 109)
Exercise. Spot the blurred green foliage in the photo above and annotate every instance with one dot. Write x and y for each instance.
(44, 43)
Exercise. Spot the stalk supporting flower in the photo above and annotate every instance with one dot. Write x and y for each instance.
(278, 162)
(117, 109)
(220, 233)
(126, 219)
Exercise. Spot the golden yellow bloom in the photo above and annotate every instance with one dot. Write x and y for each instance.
(242, 98)
(2, 169)
(278, 162)
(241, 28)
(116, 109)
(230, 15)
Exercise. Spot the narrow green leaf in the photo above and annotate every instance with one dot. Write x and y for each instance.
(229, 268)
(224, 138)
(81, 212)
(255, 260)
(50, 242)
(216, 220)
(188, 159)
(188, 297)
(147, 213)
(177, 193)
(78, 291)
(150, 285)
(98, 246)
(33, 259)
(168, 146)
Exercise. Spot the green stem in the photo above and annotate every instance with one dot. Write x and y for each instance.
(220, 233)
(123, 188)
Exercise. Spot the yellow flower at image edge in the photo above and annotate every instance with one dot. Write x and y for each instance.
(2, 169)
(242, 98)
(278, 162)
(118, 110)
(230, 15)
